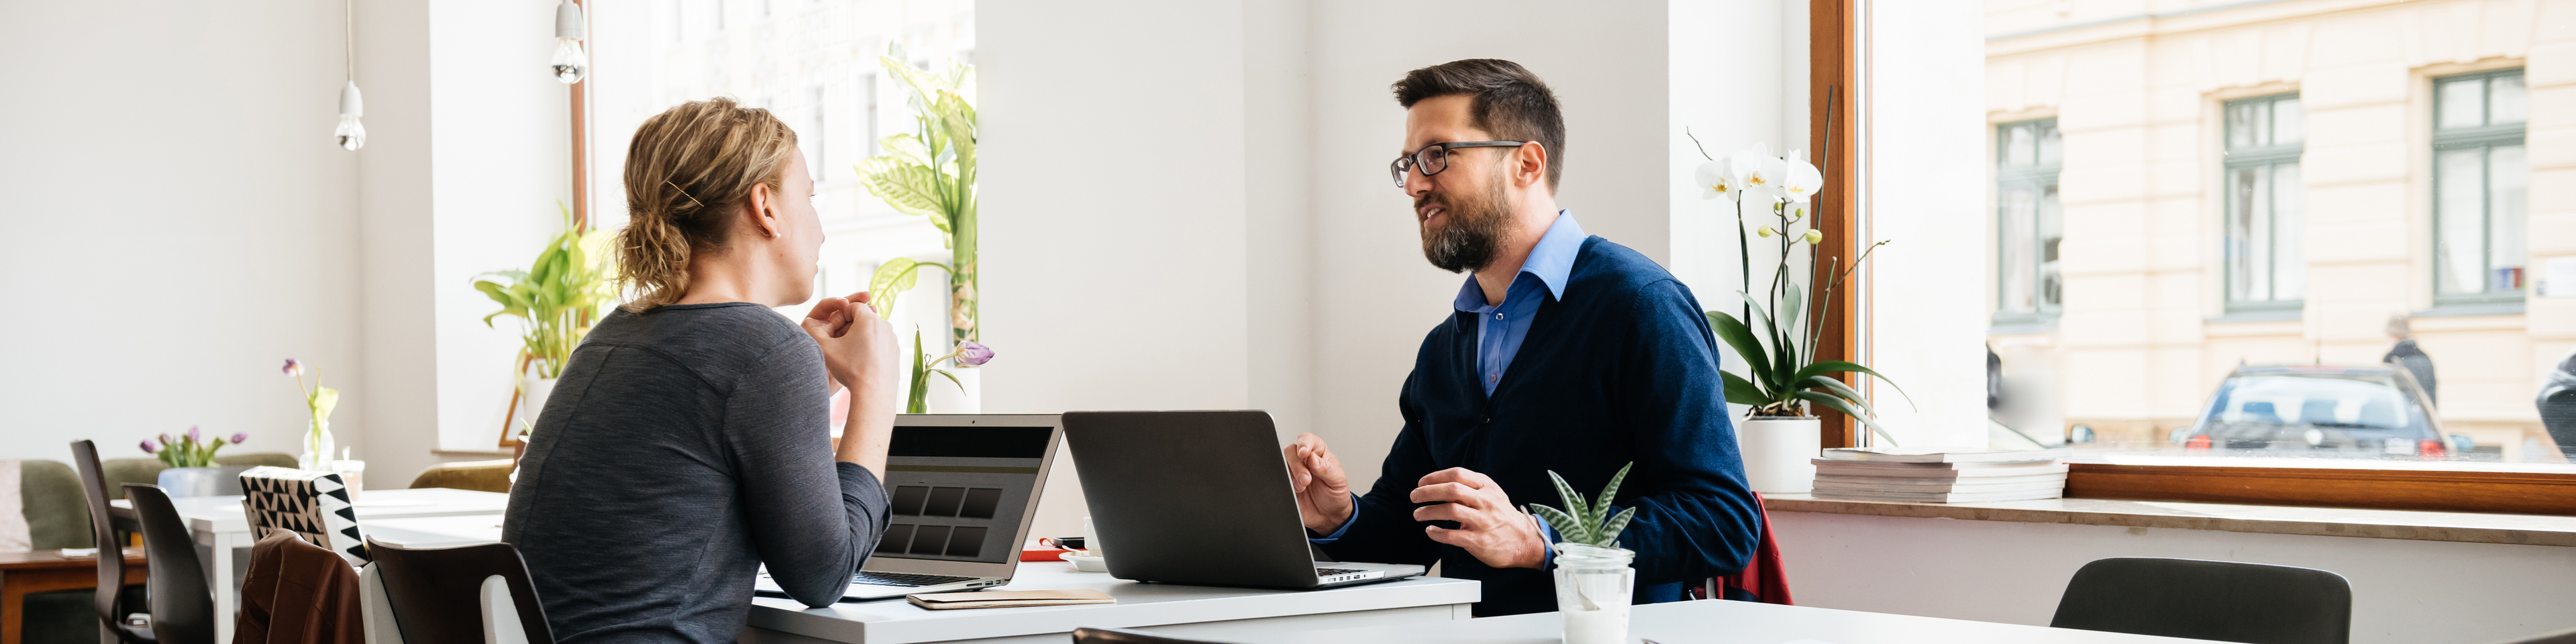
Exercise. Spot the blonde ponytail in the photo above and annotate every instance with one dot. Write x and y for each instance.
(686, 170)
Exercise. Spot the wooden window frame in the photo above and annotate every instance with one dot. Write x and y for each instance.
(1833, 30)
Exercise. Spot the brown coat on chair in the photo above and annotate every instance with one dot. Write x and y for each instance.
(298, 593)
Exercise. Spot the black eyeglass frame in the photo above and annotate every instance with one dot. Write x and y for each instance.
(1405, 164)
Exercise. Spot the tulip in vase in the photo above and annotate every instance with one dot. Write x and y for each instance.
(319, 400)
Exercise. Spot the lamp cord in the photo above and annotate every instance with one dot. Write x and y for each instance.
(349, 37)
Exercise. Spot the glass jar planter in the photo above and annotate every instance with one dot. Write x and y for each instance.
(1593, 588)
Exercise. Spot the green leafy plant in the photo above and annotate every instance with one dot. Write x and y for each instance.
(558, 298)
(1781, 354)
(931, 173)
(1586, 523)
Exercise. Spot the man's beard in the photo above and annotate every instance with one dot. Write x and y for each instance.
(1474, 232)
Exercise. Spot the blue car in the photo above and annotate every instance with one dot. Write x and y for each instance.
(2321, 411)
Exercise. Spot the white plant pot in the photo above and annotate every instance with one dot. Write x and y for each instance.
(1779, 453)
(539, 390)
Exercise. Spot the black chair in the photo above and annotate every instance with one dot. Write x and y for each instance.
(183, 604)
(2210, 600)
(437, 593)
(1101, 635)
(111, 551)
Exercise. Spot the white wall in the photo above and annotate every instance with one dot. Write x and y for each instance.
(2403, 591)
(178, 222)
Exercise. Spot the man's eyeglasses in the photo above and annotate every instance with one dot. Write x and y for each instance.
(1434, 158)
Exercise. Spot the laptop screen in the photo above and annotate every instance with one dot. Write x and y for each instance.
(960, 492)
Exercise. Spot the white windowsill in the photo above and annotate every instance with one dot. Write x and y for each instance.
(2467, 527)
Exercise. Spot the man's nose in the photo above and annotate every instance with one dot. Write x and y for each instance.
(1416, 183)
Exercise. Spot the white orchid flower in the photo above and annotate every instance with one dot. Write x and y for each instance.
(1760, 174)
(1716, 179)
(1801, 179)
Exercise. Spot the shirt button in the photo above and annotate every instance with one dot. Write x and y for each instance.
(1486, 420)
(1498, 316)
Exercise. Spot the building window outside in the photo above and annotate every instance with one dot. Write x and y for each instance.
(2479, 178)
(2266, 203)
(2028, 222)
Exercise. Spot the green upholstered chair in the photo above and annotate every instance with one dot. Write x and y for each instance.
(58, 517)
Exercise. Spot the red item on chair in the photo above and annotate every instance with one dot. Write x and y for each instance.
(1761, 580)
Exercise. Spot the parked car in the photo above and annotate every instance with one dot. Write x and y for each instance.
(2327, 411)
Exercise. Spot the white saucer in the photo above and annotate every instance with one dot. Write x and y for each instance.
(1087, 563)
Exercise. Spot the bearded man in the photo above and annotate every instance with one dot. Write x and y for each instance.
(1567, 353)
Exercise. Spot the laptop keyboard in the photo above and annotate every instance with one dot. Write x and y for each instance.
(906, 580)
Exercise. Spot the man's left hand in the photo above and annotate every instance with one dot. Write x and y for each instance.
(1489, 527)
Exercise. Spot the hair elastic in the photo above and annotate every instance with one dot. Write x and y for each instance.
(684, 192)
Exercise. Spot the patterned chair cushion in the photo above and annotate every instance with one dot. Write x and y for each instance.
(314, 505)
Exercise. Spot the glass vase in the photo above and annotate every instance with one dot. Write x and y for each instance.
(1593, 587)
(318, 446)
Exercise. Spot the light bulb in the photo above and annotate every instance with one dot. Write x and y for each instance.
(352, 135)
(570, 63)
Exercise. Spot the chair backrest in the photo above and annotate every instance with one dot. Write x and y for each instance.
(313, 505)
(183, 604)
(1104, 635)
(2210, 600)
(111, 552)
(437, 593)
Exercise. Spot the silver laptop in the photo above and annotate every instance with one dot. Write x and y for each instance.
(1200, 497)
(965, 488)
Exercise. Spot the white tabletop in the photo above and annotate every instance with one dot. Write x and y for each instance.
(895, 621)
(435, 532)
(1715, 622)
(219, 514)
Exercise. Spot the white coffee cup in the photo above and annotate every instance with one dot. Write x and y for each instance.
(1091, 540)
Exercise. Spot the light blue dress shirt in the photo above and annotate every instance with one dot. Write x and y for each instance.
(1503, 326)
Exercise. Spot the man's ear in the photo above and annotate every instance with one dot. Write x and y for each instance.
(1529, 164)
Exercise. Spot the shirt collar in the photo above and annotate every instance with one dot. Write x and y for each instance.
(1551, 261)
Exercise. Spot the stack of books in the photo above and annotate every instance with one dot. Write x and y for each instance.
(1935, 476)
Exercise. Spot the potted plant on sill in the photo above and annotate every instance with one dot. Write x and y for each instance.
(556, 300)
(192, 470)
(1594, 581)
(1781, 437)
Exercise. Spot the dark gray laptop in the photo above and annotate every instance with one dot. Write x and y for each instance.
(1200, 497)
(965, 488)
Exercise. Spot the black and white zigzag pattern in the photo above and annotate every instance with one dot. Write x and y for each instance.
(313, 505)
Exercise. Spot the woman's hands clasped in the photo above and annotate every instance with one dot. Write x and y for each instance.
(859, 352)
(857, 346)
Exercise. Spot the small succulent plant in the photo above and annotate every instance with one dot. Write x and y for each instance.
(1582, 523)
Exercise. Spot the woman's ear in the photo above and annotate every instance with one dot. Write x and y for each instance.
(763, 210)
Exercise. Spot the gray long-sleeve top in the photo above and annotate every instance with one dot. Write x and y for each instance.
(682, 448)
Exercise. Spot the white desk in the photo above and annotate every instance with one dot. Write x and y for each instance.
(1710, 622)
(1177, 610)
(222, 531)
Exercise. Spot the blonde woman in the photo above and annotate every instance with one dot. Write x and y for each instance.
(687, 443)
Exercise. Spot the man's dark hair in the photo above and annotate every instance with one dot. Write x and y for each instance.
(1510, 102)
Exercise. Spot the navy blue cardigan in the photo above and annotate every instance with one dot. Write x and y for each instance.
(1623, 369)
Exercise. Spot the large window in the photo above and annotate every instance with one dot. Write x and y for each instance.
(2479, 174)
(2282, 243)
(2265, 203)
(2028, 222)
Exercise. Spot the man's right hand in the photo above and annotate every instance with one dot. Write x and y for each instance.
(1323, 491)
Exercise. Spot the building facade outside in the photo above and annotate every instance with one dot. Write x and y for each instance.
(2184, 186)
